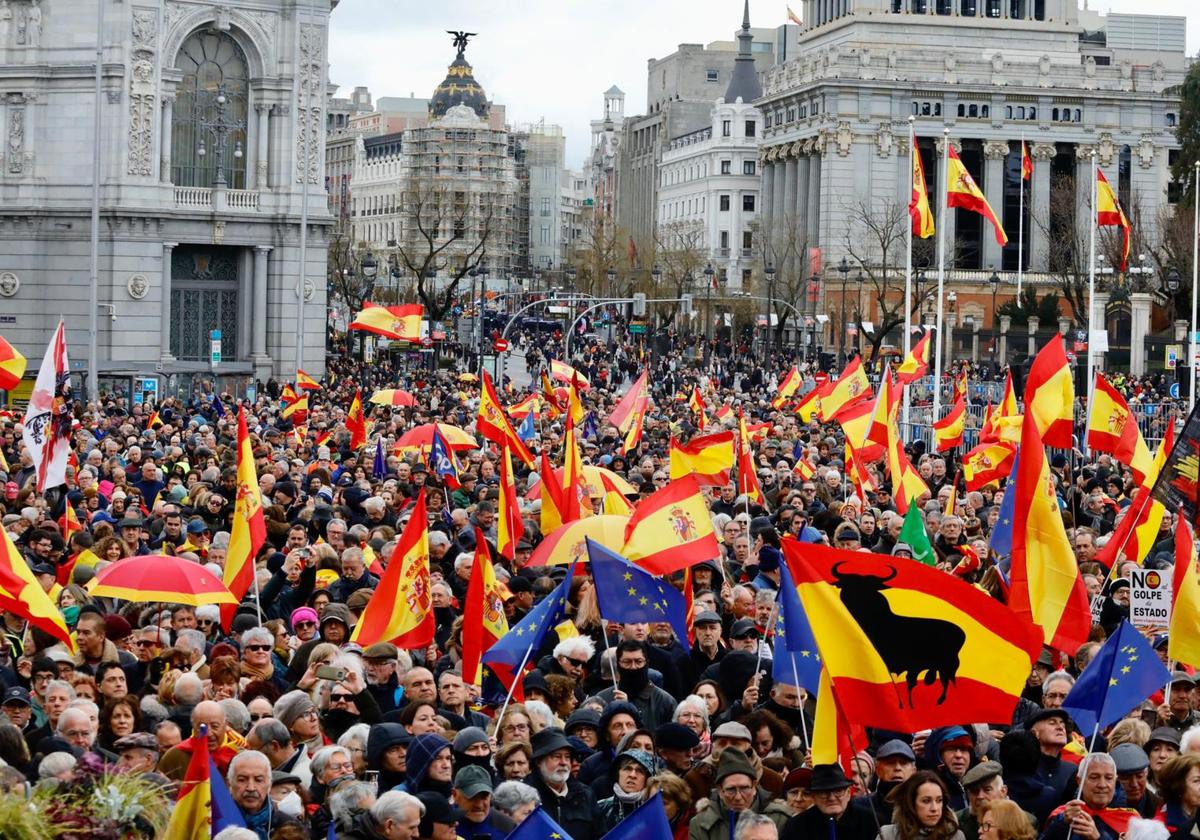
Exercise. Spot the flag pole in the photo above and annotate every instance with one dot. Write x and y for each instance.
(796, 677)
(1195, 278)
(906, 433)
(1091, 313)
(1021, 223)
(937, 350)
(512, 688)
(604, 633)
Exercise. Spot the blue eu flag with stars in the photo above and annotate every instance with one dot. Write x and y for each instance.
(526, 430)
(796, 659)
(1124, 673)
(648, 820)
(539, 826)
(1001, 542)
(626, 593)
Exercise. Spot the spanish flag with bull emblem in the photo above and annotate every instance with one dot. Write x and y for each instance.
(908, 647)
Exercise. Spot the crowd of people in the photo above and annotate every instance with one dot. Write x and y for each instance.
(318, 736)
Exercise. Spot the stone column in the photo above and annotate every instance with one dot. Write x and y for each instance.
(800, 210)
(1083, 192)
(168, 117)
(164, 313)
(1031, 349)
(789, 201)
(1181, 331)
(994, 154)
(1139, 327)
(1038, 210)
(813, 215)
(263, 134)
(1005, 325)
(974, 342)
(768, 210)
(259, 301)
(781, 220)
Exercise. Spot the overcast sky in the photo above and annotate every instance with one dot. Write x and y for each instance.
(553, 59)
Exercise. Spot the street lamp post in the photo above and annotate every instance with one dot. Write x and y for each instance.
(814, 294)
(951, 301)
(994, 280)
(611, 275)
(770, 272)
(708, 284)
(859, 279)
(220, 126)
(843, 268)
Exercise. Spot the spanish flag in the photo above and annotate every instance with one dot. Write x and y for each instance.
(988, 463)
(1046, 585)
(296, 411)
(918, 205)
(835, 739)
(249, 529)
(747, 478)
(574, 403)
(509, 526)
(787, 387)
(553, 503)
(916, 363)
(1138, 529)
(12, 366)
(856, 425)
(906, 646)
(494, 425)
(959, 385)
(808, 406)
(961, 191)
(521, 410)
(851, 388)
(1050, 395)
(553, 406)
(1008, 404)
(561, 370)
(710, 458)
(883, 413)
(399, 323)
(68, 523)
(191, 818)
(22, 595)
(671, 529)
(356, 421)
(1183, 643)
(1112, 429)
(574, 487)
(401, 611)
(907, 485)
(1110, 214)
(622, 414)
(948, 432)
(988, 432)
(856, 470)
(638, 419)
(484, 622)
(306, 382)
(696, 402)
(1026, 163)
(154, 421)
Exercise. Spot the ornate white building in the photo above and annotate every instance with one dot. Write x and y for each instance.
(212, 130)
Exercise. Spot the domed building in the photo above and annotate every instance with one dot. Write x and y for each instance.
(459, 87)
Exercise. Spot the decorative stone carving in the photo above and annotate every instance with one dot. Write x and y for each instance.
(1146, 152)
(995, 150)
(797, 149)
(138, 286)
(221, 19)
(6, 23)
(1084, 152)
(1126, 70)
(1106, 149)
(893, 62)
(143, 98)
(885, 140)
(864, 64)
(949, 67)
(844, 138)
(10, 284)
(16, 134)
(309, 122)
(939, 145)
(1043, 151)
(998, 69)
(33, 24)
(310, 289)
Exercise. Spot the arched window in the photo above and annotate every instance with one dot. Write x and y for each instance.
(209, 122)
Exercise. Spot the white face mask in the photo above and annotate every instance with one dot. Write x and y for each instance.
(291, 805)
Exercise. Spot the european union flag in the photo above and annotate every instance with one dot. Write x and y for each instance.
(218, 406)
(1124, 673)
(225, 813)
(379, 470)
(539, 826)
(589, 426)
(796, 659)
(626, 593)
(507, 658)
(526, 430)
(441, 461)
(1001, 542)
(648, 820)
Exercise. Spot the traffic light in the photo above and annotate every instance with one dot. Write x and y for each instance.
(639, 304)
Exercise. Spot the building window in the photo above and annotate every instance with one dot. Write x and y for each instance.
(748, 167)
(726, 167)
(204, 297)
(993, 8)
(791, 114)
(1171, 120)
(710, 75)
(724, 240)
(545, 206)
(1174, 190)
(751, 128)
(724, 205)
(748, 203)
(211, 62)
(747, 240)
(726, 128)
(545, 235)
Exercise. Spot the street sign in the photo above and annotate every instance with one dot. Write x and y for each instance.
(821, 378)
(1174, 352)
(426, 342)
(500, 345)
(215, 348)
(1149, 598)
(1174, 390)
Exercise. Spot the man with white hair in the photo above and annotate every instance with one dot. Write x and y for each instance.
(394, 816)
(250, 786)
(355, 575)
(223, 743)
(570, 658)
(76, 728)
(192, 642)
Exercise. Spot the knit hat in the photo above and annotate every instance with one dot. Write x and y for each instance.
(421, 752)
(469, 737)
(297, 706)
(733, 762)
(643, 759)
(303, 614)
(769, 558)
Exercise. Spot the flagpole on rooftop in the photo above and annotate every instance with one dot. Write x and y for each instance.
(908, 302)
(1091, 309)
(937, 350)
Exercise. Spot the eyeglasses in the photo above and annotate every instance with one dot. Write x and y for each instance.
(740, 790)
(204, 622)
(300, 625)
(341, 765)
(339, 698)
(255, 718)
(145, 643)
(259, 648)
(578, 663)
(311, 713)
(985, 826)
(515, 727)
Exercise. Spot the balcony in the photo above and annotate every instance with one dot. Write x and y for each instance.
(203, 198)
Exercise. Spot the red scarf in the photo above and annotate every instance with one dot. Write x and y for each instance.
(1115, 818)
(231, 745)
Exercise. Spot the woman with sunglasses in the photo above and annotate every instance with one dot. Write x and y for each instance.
(258, 662)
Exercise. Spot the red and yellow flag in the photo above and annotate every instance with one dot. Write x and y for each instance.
(574, 487)
(1008, 404)
(637, 421)
(484, 622)
(916, 363)
(856, 425)
(22, 595)
(1110, 214)
(356, 421)
(788, 386)
(553, 503)
(153, 421)
(710, 458)
(509, 527)
(401, 610)
(553, 406)
(808, 406)
(191, 818)
(857, 472)
(1183, 640)
(1026, 162)
(963, 193)
(574, 403)
(1046, 584)
(399, 323)
(68, 523)
(306, 382)
(249, 529)
(520, 410)
(622, 414)
(883, 414)
(988, 463)
(1138, 529)
(747, 477)
(907, 646)
(907, 485)
(671, 529)
(1050, 395)
(835, 739)
(948, 432)
(296, 411)
(1112, 429)
(851, 388)
(918, 205)
(561, 370)
(12, 366)
(494, 424)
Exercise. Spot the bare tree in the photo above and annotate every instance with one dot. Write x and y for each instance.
(596, 251)
(1171, 250)
(349, 285)
(681, 256)
(786, 249)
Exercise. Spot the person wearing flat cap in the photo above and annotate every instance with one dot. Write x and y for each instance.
(567, 801)
(984, 783)
(1133, 776)
(831, 817)
(894, 762)
(736, 791)
(1182, 716)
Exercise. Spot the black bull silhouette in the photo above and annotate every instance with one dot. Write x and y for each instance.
(907, 645)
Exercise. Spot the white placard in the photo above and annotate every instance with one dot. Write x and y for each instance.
(1149, 598)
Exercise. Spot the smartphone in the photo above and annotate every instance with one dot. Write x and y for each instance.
(327, 672)
(1150, 716)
